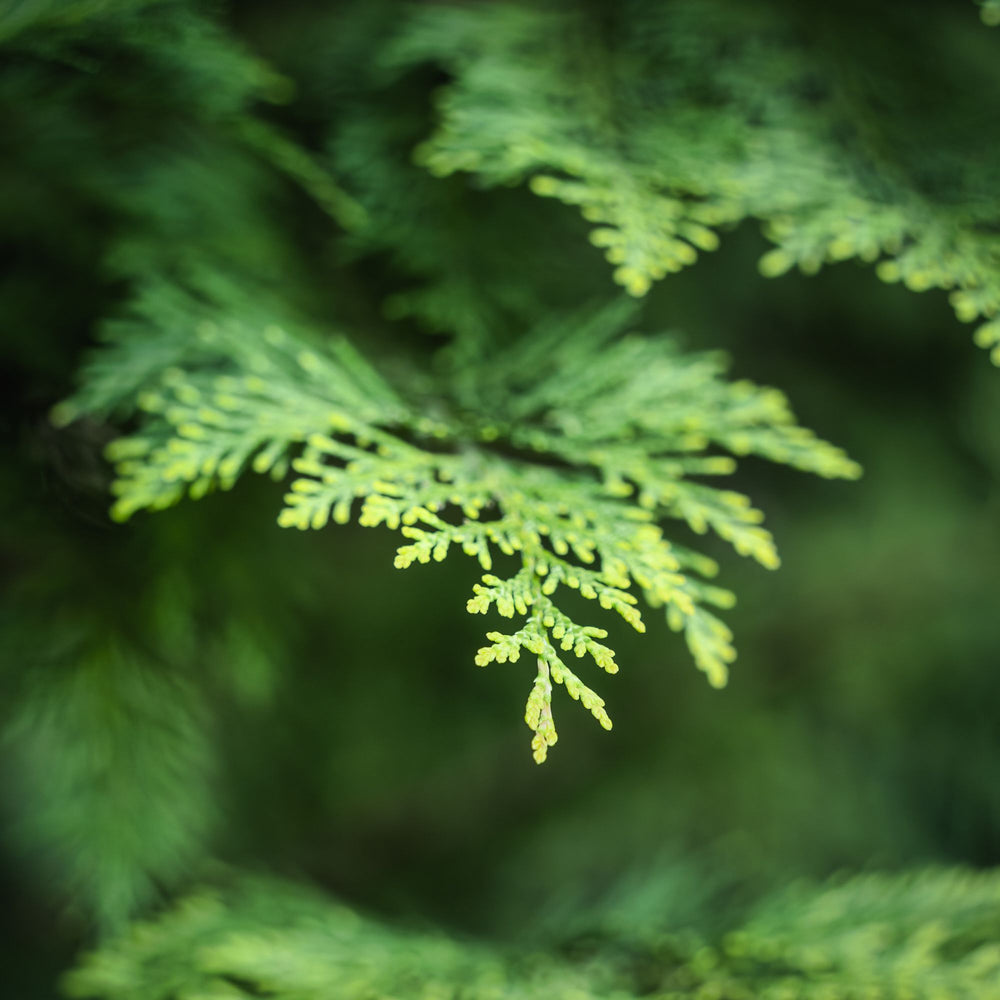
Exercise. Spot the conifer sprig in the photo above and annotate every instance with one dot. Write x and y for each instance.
(568, 466)
(630, 120)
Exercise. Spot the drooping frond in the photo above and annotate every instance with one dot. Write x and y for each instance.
(662, 122)
(566, 451)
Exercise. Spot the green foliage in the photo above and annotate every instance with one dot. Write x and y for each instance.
(259, 212)
(928, 935)
(264, 936)
(662, 123)
(601, 435)
(112, 704)
(990, 12)
(108, 737)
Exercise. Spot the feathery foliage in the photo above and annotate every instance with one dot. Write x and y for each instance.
(108, 737)
(930, 934)
(603, 436)
(329, 246)
(662, 123)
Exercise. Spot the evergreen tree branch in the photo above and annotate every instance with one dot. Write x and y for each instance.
(601, 453)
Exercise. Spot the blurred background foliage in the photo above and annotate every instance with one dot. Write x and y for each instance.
(199, 692)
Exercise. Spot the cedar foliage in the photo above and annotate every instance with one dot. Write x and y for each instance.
(373, 276)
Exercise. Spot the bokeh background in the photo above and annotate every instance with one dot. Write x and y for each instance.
(340, 732)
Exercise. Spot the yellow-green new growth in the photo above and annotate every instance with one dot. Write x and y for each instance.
(618, 117)
(584, 446)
